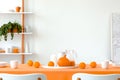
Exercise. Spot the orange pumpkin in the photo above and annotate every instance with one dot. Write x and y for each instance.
(63, 61)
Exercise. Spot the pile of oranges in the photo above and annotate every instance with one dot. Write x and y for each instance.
(36, 64)
(82, 65)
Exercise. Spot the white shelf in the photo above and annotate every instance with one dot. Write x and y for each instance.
(24, 33)
(15, 53)
(15, 12)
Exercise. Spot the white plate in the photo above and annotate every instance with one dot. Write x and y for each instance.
(3, 64)
(57, 67)
(115, 65)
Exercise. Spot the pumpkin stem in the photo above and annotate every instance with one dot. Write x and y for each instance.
(65, 56)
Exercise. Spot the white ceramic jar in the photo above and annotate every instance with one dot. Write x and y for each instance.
(13, 64)
(104, 64)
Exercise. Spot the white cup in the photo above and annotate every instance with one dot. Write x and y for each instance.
(13, 64)
(7, 50)
(105, 64)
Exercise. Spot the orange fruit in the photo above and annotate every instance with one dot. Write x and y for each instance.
(50, 63)
(36, 64)
(82, 65)
(93, 64)
(30, 62)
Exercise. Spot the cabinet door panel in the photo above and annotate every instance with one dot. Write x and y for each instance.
(115, 38)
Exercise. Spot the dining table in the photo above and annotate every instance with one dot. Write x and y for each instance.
(59, 73)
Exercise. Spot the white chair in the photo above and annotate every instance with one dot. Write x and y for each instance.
(22, 77)
(85, 76)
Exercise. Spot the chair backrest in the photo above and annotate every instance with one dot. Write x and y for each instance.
(85, 76)
(22, 77)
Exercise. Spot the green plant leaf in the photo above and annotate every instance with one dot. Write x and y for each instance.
(10, 26)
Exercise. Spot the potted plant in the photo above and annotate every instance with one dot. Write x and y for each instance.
(10, 27)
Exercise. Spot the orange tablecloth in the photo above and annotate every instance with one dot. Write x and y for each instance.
(59, 74)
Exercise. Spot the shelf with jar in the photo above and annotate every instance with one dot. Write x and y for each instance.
(16, 13)
(27, 31)
(12, 28)
(15, 51)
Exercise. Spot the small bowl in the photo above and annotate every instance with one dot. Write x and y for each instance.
(3, 64)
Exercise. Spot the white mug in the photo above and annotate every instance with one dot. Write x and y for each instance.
(13, 64)
(105, 64)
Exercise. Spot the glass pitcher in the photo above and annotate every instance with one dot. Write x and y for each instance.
(67, 58)
(72, 56)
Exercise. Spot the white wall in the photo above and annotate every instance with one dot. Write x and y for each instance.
(83, 25)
